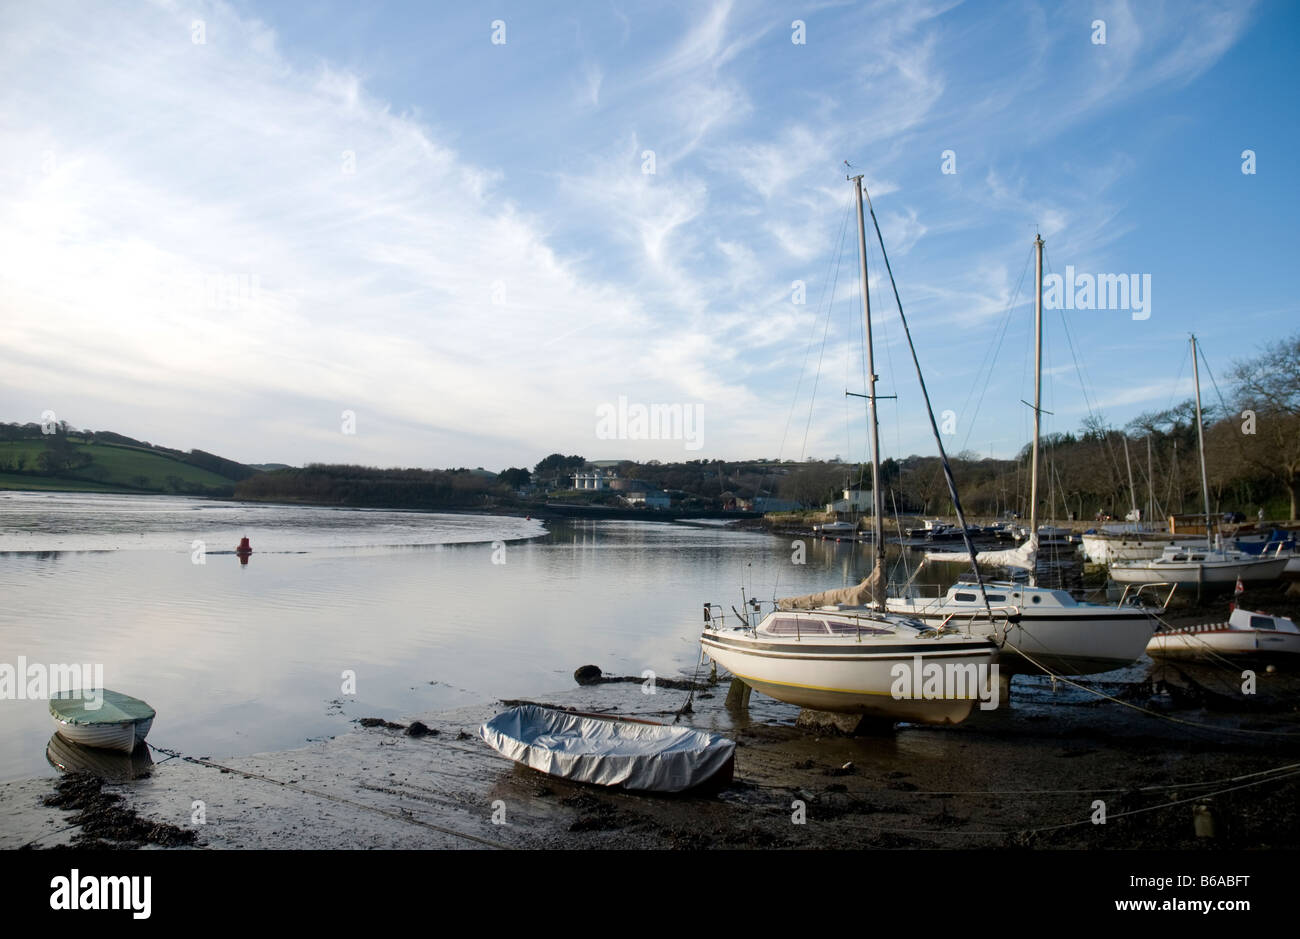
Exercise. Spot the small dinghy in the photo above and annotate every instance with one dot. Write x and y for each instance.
(101, 718)
(1246, 634)
(611, 751)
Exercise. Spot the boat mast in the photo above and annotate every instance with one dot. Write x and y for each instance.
(1132, 492)
(877, 521)
(1038, 392)
(1151, 488)
(1200, 440)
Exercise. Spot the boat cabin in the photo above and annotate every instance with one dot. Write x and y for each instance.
(1265, 622)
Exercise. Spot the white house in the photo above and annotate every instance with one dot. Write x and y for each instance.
(651, 499)
(855, 500)
(597, 479)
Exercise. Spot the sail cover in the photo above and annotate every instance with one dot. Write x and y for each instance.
(870, 592)
(1025, 556)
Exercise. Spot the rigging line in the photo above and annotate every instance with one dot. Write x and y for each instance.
(992, 358)
(1084, 383)
(830, 305)
(808, 352)
(1182, 364)
(1223, 403)
(925, 396)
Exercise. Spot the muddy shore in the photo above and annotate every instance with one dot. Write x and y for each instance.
(1027, 776)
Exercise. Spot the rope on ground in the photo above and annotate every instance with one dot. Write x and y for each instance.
(1277, 771)
(398, 816)
(1128, 704)
(1166, 805)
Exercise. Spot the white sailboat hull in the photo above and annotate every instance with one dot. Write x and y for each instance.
(1072, 641)
(1100, 549)
(848, 677)
(1191, 573)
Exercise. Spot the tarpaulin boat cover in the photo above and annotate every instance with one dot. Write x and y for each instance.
(98, 707)
(651, 757)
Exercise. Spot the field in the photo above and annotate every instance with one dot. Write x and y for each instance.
(113, 468)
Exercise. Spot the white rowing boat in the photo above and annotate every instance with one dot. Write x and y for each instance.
(611, 751)
(101, 718)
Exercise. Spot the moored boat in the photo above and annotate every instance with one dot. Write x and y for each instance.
(101, 718)
(1040, 627)
(607, 750)
(854, 662)
(1246, 634)
(1187, 565)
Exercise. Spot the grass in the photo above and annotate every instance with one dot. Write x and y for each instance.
(113, 469)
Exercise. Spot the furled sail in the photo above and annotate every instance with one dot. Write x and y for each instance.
(1025, 556)
(871, 592)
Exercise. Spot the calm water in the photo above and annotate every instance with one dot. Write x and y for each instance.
(241, 659)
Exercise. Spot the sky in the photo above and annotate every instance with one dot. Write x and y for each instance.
(416, 234)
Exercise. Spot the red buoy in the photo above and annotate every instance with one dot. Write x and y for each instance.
(244, 547)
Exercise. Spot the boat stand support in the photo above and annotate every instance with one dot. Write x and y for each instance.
(852, 725)
(738, 695)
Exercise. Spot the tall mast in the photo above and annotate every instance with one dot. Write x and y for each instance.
(1132, 491)
(1200, 440)
(877, 523)
(1038, 390)
(1151, 487)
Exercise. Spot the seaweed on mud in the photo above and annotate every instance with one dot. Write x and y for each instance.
(105, 822)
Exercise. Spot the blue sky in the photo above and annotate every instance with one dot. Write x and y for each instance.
(226, 244)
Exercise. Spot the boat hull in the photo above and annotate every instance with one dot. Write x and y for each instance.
(1100, 549)
(1209, 573)
(123, 736)
(1066, 642)
(1198, 642)
(845, 680)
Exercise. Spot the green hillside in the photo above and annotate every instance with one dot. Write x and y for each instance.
(71, 462)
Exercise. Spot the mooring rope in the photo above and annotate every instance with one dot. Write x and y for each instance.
(1128, 704)
(398, 816)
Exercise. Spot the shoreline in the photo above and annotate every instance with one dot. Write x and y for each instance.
(1027, 776)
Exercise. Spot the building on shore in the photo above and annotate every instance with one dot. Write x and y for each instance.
(854, 500)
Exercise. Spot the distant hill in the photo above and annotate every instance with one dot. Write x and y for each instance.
(103, 461)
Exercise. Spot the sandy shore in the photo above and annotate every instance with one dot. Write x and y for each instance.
(1027, 776)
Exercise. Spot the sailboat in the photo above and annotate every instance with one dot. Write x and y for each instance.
(1036, 627)
(1212, 565)
(1136, 539)
(839, 650)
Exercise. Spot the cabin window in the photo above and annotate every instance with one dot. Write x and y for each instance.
(796, 626)
(1037, 598)
(1261, 622)
(997, 598)
(964, 597)
(847, 628)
